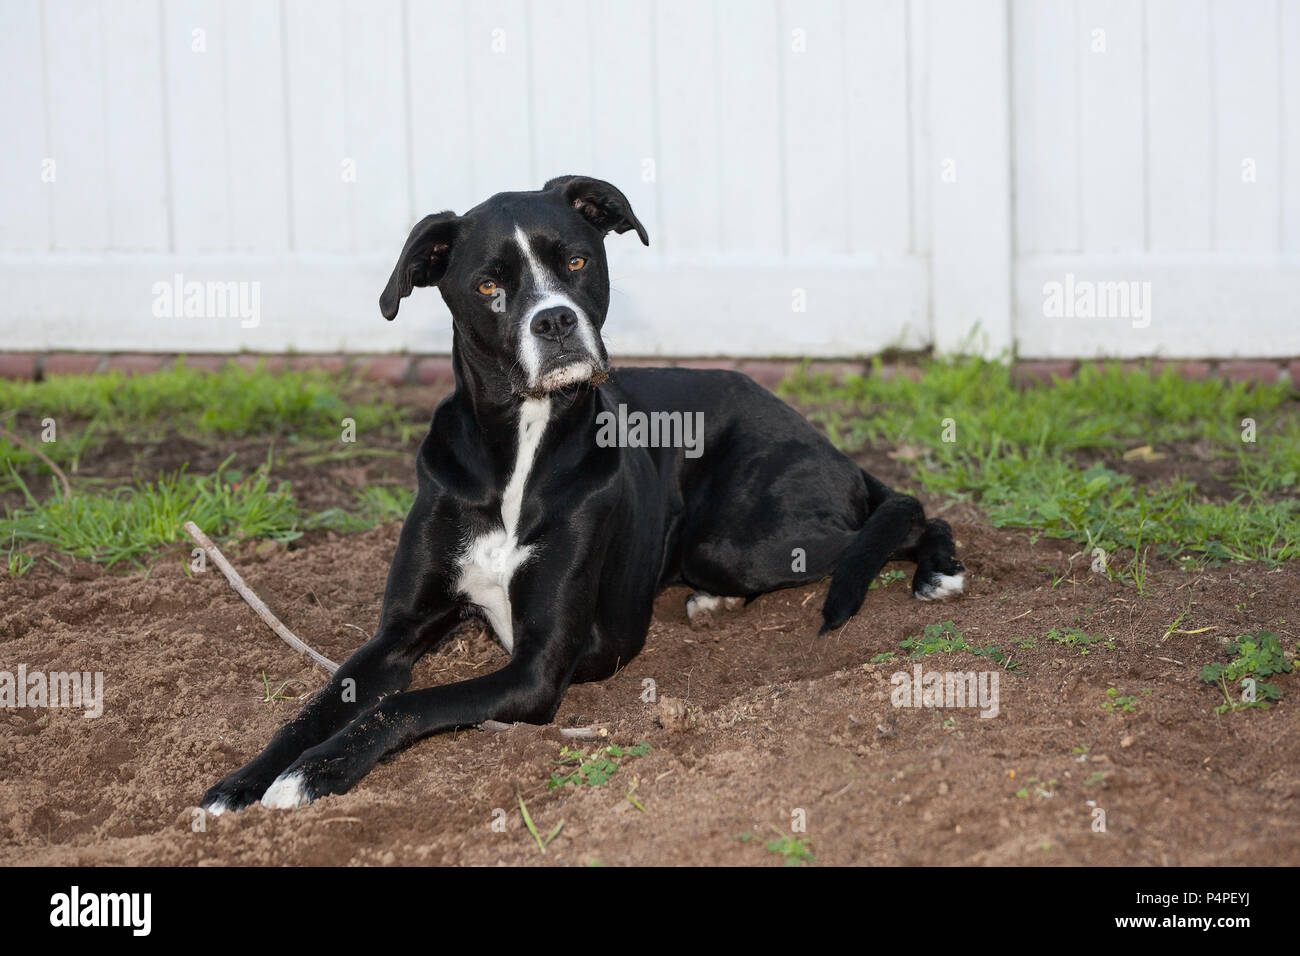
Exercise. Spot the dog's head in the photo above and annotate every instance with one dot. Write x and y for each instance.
(525, 277)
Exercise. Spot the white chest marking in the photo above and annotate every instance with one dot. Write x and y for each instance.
(490, 560)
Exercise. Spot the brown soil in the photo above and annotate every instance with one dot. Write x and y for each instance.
(776, 719)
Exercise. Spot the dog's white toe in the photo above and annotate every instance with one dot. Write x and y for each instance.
(216, 807)
(286, 793)
(941, 586)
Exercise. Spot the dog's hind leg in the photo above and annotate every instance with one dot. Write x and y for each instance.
(938, 572)
(896, 530)
(893, 525)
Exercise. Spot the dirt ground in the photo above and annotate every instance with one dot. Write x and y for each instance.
(777, 719)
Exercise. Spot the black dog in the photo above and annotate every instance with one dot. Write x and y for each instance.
(536, 512)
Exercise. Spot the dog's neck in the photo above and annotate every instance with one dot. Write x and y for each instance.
(484, 391)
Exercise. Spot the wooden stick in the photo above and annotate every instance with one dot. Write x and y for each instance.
(594, 732)
(58, 472)
(253, 601)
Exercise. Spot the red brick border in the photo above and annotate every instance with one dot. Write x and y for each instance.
(19, 364)
(434, 369)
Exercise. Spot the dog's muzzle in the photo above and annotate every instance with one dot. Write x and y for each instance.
(561, 349)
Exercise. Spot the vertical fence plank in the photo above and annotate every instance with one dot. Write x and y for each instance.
(687, 99)
(500, 129)
(74, 44)
(437, 51)
(377, 121)
(749, 89)
(623, 103)
(972, 185)
(1289, 38)
(318, 149)
(1045, 44)
(25, 223)
(1178, 126)
(878, 182)
(816, 144)
(562, 89)
(1109, 48)
(136, 152)
(196, 53)
(918, 114)
(259, 128)
(1247, 152)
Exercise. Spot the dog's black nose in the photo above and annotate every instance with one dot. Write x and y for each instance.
(554, 323)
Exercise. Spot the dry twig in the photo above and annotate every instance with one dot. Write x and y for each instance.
(253, 601)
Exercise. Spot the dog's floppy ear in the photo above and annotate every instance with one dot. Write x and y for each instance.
(423, 260)
(601, 202)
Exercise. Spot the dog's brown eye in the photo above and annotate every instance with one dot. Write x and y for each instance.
(488, 287)
(576, 263)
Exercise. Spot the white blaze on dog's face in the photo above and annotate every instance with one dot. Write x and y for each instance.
(525, 277)
(558, 342)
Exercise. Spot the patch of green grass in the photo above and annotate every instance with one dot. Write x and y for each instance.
(232, 400)
(1017, 453)
(123, 524)
(88, 409)
(376, 504)
(1043, 790)
(1116, 703)
(1253, 656)
(795, 851)
(18, 562)
(1072, 637)
(946, 639)
(993, 653)
(886, 578)
(593, 770)
(126, 524)
(935, 639)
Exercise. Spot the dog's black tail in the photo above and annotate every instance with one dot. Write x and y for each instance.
(896, 529)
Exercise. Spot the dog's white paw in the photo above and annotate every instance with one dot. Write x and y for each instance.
(216, 807)
(941, 586)
(287, 792)
(701, 606)
(697, 603)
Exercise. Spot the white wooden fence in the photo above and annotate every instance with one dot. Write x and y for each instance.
(831, 177)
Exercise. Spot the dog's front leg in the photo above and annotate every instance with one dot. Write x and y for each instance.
(418, 614)
(552, 627)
